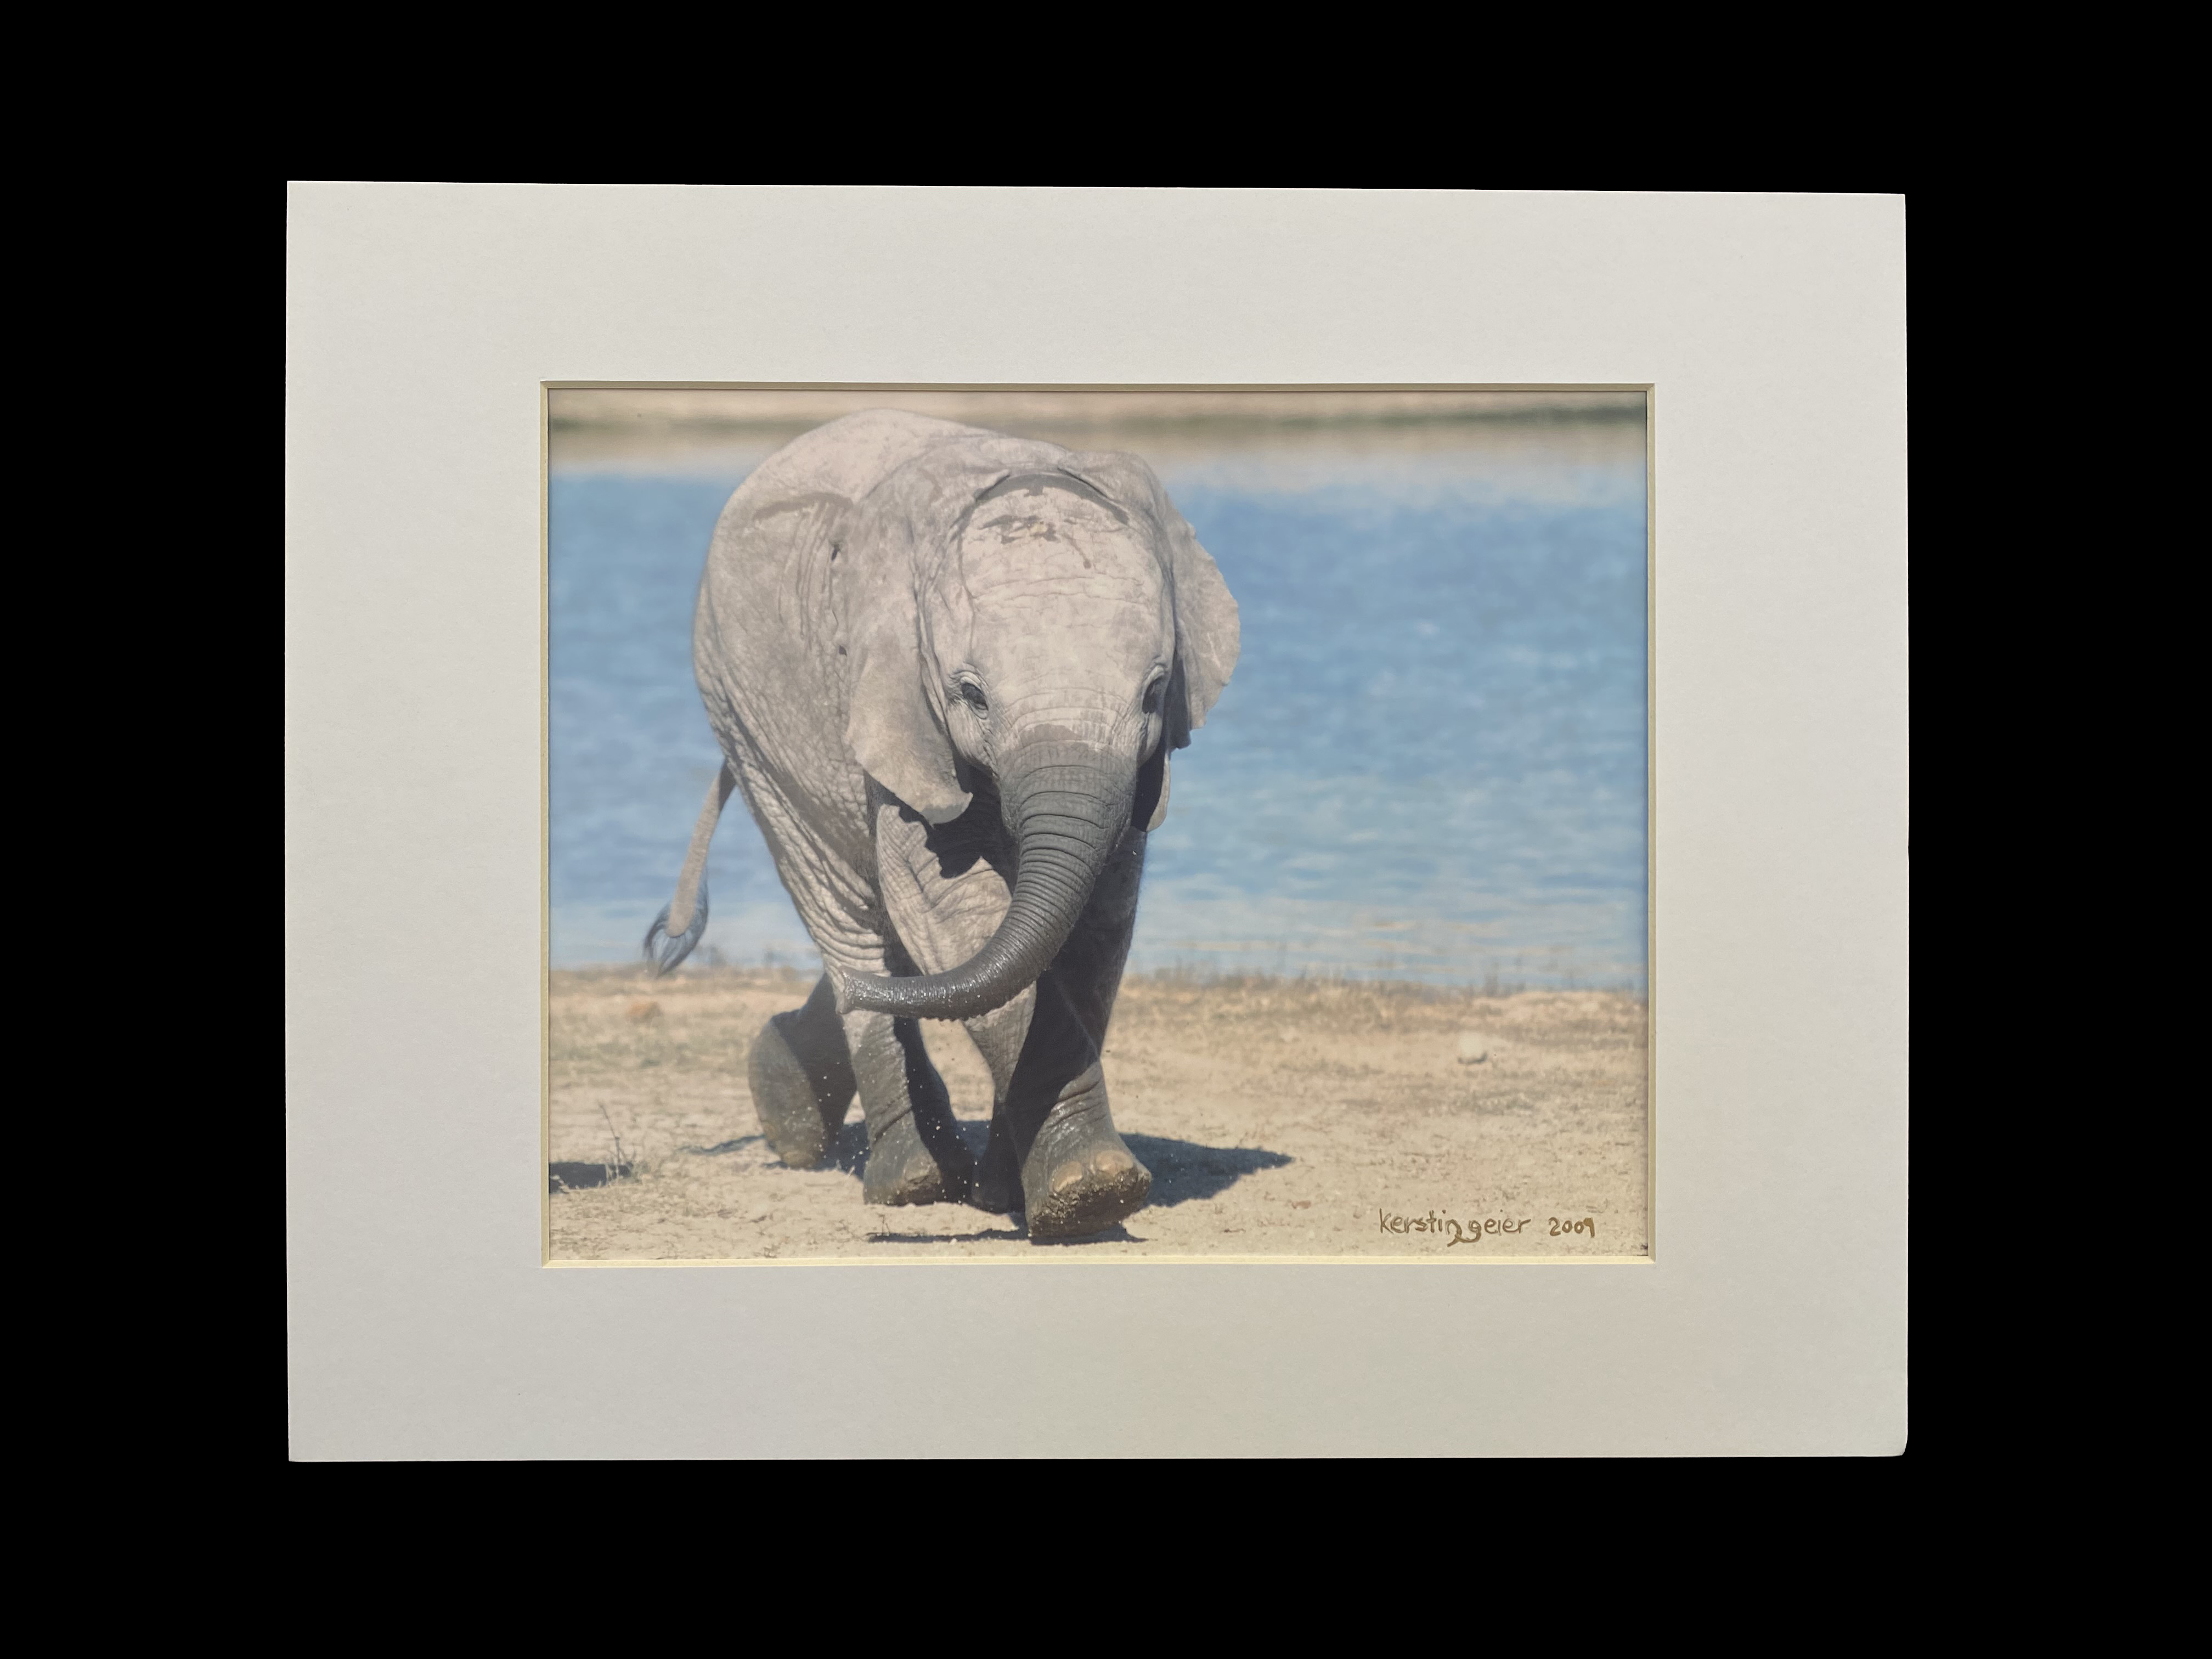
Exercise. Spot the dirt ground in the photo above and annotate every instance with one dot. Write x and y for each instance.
(1278, 1118)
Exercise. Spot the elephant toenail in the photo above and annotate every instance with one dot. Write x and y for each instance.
(1113, 1161)
(1065, 1175)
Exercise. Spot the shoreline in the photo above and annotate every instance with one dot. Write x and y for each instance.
(738, 428)
(743, 407)
(1201, 979)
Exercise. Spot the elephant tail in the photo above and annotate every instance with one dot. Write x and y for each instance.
(682, 922)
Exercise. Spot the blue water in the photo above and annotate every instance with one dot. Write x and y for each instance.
(1429, 764)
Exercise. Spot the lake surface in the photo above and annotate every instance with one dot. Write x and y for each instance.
(1429, 764)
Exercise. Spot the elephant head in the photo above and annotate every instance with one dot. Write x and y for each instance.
(1047, 620)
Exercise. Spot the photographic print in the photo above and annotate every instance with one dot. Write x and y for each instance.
(1073, 825)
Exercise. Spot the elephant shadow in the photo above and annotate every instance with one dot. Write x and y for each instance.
(1183, 1171)
(576, 1178)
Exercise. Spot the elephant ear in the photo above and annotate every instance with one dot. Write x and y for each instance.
(1207, 633)
(1206, 630)
(893, 728)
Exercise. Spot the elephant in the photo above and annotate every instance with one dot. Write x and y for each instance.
(947, 668)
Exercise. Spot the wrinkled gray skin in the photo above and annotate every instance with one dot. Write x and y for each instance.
(947, 668)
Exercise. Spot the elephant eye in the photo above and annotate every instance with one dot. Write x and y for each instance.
(973, 694)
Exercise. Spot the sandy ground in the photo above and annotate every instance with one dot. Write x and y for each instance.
(1278, 1118)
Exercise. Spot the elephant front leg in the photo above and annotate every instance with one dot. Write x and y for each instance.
(1054, 1150)
(915, 1155)
(1077, 1175)
(999, 1037)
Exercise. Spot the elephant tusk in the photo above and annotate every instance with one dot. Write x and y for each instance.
(1160, 812)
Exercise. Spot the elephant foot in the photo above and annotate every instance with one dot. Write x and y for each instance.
(801, 1107)
(918, 1161)
(1080, 1177)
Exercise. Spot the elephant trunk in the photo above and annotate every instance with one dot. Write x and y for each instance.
(1068, 805)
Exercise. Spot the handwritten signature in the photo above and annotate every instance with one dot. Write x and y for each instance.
(1473, 1232)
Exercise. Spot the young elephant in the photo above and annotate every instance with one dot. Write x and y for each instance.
(947, 668)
